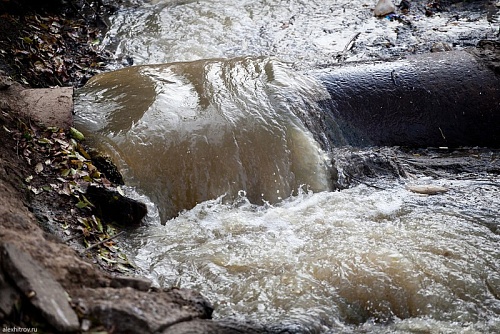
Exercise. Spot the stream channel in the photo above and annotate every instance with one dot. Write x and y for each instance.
(249, 208)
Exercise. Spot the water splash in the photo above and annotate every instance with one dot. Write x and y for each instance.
(360, 260)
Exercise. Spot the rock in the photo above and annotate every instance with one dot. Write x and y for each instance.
(8, 297)
(384, 7)
(138, 283)
(493, 284)
(409, 97)
(113, 207)
(50, 106)
(46, 294)
(489, 53)
(404, 6)
(131, 311)
(441, 47)
(200, 326)
(427, 189)
(106, 166)
(5, 82)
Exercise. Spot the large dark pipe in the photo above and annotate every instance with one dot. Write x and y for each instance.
(440, 99)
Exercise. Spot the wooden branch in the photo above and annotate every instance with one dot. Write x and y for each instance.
(103, 241)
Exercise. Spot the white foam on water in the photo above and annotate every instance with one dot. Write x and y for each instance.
(389, 260)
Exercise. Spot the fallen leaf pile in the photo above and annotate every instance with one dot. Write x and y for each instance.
(61, 166)
(47, 49)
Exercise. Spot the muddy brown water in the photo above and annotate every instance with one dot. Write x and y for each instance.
(242, 203)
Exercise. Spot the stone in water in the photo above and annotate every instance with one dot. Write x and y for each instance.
(384, 7)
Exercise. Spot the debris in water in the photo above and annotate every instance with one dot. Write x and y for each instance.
(441, 47)
(404, 6)
(384, 7)
(427, 189)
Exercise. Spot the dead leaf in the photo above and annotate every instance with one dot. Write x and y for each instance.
(27, 40)
(38, 168)
(81, 205)
(76, 134)
(44, 141)
(35, 190)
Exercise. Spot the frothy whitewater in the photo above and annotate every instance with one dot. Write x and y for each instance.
(358, 260)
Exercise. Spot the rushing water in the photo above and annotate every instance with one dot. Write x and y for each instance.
(386, 260)
(243, 206)
(303, 32)
(190, 132)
